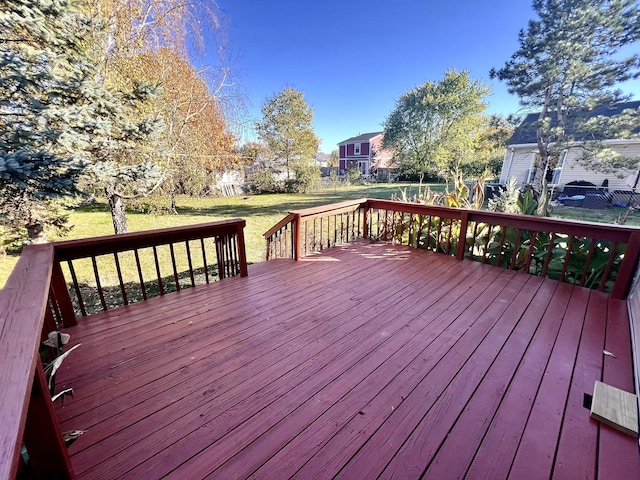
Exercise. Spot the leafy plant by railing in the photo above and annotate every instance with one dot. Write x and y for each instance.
(591, 255)
(572, 259)
(577, 260)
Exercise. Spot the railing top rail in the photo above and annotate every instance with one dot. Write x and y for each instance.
(551, 225)
(306, 212)
(279, 225)
(417, 208)
(74, 249)
(22, 303)
(314, 212)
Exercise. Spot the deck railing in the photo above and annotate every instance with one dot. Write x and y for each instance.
(165, 260)
(303, 232)
(37, 299)
(604, 257)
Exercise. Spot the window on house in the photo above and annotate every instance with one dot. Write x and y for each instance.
(553, 172)
(557, 171)
(356, 149)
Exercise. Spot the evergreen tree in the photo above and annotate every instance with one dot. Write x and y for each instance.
(41, 70)
(569, 62)
(56, 116)
(287, 129)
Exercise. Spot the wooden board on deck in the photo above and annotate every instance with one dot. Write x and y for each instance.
(615, 407)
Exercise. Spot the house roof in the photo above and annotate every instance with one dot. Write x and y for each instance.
(526, 132)
(364, 137)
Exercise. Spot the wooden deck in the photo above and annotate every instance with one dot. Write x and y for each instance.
(369, 360)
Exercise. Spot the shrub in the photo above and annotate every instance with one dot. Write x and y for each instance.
(263, 181)
(307, 178)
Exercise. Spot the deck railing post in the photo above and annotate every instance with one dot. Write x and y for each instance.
(296, 240)
(42, 436)
(365, 219)
(627, 268)
(462, 239)
(242, 252)
(219, 241)
(62, 297)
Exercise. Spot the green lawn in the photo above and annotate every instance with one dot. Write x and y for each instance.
(261, 212)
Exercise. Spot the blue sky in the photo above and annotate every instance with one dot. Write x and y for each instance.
(354, 58)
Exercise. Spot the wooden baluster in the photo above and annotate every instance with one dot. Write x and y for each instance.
(314, 245)
(279, 244)
(155, 259)
(204, 259)
(440, 220)
(386, 225)
(51, 317)
(61, 293)
(193, 280)
(473, 241)
(501, 246)
(605, 275)
(567, 258)
(428, 233)
(583, 278)
(532, 245)
(486, 245)
(229, 262)
(411, 230)
(98, 286)
(175, 269)
(348, 226)
(516, 248)
(547, 257)
(76, 287)
(220, 257)
(140, 276)
(234, 265)
(462, 238)
(119, 272)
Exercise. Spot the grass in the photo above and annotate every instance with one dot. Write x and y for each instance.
(611, 215)
(261, 212)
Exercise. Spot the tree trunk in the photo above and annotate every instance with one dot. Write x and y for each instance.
(118, 213)
(35, 229)
(541, 170)
(174, 206)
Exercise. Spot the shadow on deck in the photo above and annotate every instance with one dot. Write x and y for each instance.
(366, 360)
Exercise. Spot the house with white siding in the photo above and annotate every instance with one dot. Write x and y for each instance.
(522, 154)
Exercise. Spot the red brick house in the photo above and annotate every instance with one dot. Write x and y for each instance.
(365, 153)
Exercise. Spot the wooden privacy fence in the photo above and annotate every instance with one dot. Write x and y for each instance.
(37, 300)
(599, 256)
